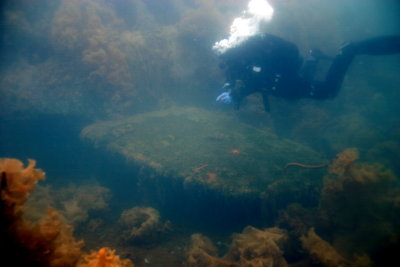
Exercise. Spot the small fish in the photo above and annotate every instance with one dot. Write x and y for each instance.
(235, 151)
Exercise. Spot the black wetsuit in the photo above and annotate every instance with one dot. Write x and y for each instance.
(270, 65)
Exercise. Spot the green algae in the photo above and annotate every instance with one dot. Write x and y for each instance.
(198, 145)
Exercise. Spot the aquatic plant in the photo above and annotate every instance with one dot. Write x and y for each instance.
(48, 242)
(142, 224)
(202, 252)
(255, 247)
(252, 247)
(72, 202)
(357, 204)
(101, 58)
(323, 254)
(356, 217)
(77, 201)
(387, 153)
(321, 251)
(104, 257)
(85, 28)
(18, 182)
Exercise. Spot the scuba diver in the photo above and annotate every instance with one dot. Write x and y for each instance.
(269, 65)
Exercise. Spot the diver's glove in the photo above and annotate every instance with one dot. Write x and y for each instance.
(224, 98)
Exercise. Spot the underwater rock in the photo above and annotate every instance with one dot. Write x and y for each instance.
(201, 146)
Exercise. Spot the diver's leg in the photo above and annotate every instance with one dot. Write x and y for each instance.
(310, 66)
(238, 93)
(384, 45)
(375, 46)
(334, 79)
(309, 69)
(307, 73)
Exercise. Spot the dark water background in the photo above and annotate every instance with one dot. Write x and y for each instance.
(65, 64)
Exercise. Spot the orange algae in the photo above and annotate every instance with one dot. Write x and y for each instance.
(235, 151)
(46, 243)
(251, 248)
(105, 257)
(344, 161)
(49, 242)
(212, 177)
(321, 251)
(16, 181)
